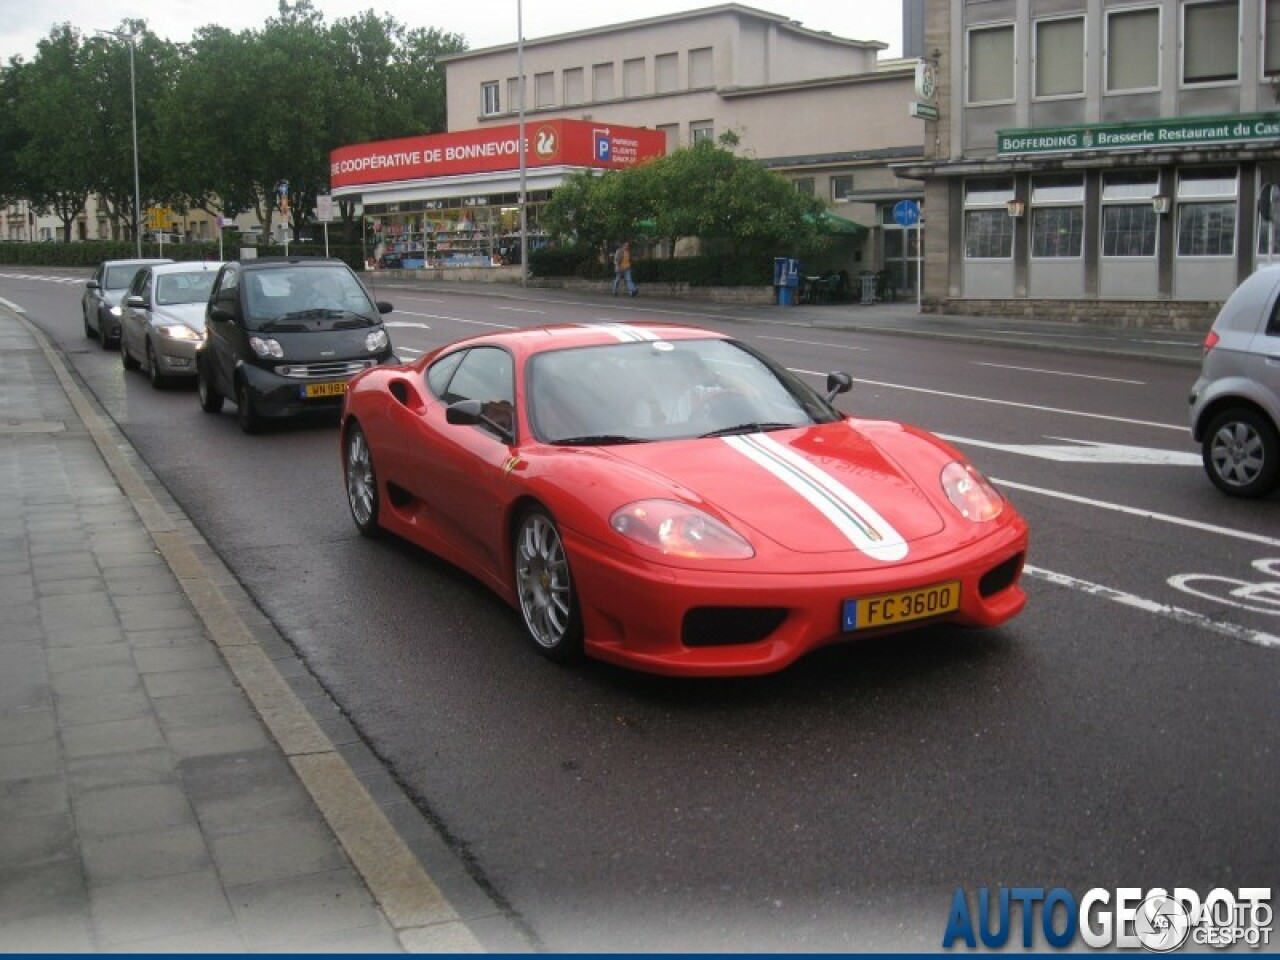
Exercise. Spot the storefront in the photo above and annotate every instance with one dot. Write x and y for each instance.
(453, 199)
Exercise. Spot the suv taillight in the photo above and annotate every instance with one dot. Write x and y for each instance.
(1211, 340)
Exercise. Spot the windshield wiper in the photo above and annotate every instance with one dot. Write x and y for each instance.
(598, 440)
(739, 428)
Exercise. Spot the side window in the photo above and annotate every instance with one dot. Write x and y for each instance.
(140, 282)
(228, 288)
(440, 372)
(485, 374)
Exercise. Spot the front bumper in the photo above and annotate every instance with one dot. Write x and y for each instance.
(274, 395)
(635, 614)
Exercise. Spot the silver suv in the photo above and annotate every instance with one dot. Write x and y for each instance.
(1235, 405)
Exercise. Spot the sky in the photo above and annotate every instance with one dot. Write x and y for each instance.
(482, 23)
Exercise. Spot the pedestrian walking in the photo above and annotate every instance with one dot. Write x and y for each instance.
(622, 269)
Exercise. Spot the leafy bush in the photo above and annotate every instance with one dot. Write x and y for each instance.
(584, 263)
(578, 260)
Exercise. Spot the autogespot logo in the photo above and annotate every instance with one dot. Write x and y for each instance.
(1126, 918)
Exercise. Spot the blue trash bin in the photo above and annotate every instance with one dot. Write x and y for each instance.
(786, 280)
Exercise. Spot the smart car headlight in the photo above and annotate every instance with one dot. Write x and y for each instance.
(679, 530)
(377, 341)
(970, 492)
(267, 347)
(116, 311)
(180, 331)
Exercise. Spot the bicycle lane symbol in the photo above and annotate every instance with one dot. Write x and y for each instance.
(1259, 597)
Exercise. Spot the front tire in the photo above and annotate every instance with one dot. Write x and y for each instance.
(126, 358)
(108, 340)
(210, 398)
(89, 332)
(158, 380)
(544, 588)
(362, 482)
(250, 419)
(1241, 453)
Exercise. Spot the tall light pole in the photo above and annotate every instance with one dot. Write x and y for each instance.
(133, 109)
(524, 220)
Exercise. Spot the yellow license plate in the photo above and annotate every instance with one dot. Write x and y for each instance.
(335, 389)
(888, 609)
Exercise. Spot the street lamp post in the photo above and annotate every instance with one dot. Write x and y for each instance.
(133, 109)
(524, 163)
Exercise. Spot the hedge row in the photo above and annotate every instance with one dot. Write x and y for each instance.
(91, 253)
(586, 264)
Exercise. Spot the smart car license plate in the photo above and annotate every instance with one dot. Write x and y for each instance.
(887, 609)
(334, 389)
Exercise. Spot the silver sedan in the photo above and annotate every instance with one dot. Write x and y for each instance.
(163, 319)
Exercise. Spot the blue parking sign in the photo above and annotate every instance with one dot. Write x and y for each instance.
(906, 213)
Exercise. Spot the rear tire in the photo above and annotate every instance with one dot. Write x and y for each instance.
(210, 398)
(362, 482)
(1241, 453)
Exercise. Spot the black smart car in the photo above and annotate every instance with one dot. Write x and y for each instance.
(283, 335)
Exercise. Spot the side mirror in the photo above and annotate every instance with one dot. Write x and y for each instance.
(470, 413)
(837, 383)
(221, 314)
(136, 300)
(93, 285)
(384, 307)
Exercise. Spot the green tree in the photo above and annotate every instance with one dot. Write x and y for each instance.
(56, 124)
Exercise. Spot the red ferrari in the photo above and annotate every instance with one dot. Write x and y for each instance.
(667, 498)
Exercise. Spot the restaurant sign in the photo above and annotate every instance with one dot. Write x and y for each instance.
(1141, 134)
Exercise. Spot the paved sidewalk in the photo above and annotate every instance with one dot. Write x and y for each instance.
(165, 784)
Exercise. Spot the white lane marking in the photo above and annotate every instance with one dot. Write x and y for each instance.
(1087, 451)
(1144, 514)
(521, 310)
(1059, 373)
(1183, 428)
(33, 276)
(406, 323)
(1243, 594)
(1189, 617)
(816, 343)
(436, 316)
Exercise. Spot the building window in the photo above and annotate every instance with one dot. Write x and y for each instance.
(633, 78)
(574, 90)
(544, 89)
(804, 185)
(1057, 216)
(489, 96)
(990, 64)
(841, 186)
(1211, 42)
(1133, 49)
(1059, 66)
(701, 73)
(988, 228)
(515, 99)
(1271, 39)
(1207, 213)
(666, 75)
(1129, 219)
(602, 82)
(700, 130)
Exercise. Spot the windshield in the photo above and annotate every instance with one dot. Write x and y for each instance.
(664, 390)
(117, 278)
(190, 287)
(306, 298)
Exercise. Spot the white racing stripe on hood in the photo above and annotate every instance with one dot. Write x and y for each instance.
(851, 515)
(624, 332)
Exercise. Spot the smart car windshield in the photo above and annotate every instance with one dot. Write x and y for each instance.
(306, 298)
(664, 390)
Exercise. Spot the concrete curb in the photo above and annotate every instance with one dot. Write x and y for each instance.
(414, 906)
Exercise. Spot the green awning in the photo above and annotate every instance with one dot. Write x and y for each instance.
(830, 223)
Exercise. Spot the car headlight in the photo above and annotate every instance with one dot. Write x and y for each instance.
(180, 331)
(377, 341)
(116, 311)
(679, 530)
(970, 492)
(267, 347)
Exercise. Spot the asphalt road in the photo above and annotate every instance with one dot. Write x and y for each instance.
(1121, 732)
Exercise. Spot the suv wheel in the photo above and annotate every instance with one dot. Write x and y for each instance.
(250, 419)
(1241, 453)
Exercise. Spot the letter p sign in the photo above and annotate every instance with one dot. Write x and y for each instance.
(604, 146)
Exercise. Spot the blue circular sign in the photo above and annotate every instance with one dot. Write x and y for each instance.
(906, 213)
